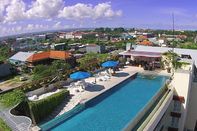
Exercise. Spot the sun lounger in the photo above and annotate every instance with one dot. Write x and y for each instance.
(102, 78)
(106, 77)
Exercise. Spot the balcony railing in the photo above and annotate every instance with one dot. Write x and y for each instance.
(149, 118)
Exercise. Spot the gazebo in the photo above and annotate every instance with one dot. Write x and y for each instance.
(142, 58)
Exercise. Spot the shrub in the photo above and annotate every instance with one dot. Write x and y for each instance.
(42, 108)
(12, 98)
(3, 126)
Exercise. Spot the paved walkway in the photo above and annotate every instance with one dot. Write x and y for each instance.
(16, 123)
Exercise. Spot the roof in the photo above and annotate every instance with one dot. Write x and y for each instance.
(191, 52)
(62, 55)
(21, 56)
(145, 42)
(141, 53)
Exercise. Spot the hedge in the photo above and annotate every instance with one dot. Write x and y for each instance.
(3, 126)
(42, 108)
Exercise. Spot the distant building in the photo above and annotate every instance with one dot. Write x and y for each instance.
(40, 37)
(95, 48)
(20, 58)
(195, 39)
(58, 46)
(148, 35)
(126, 36)
(48, 56)
(146, 43)
(5, 70)
(51, 36)
(78, 35)
(68, 35)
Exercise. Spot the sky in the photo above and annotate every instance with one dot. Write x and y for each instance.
(21, 16)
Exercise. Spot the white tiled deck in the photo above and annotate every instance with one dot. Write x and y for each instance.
(102, 86)
(98, 88)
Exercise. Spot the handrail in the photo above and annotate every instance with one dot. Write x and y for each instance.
(20, 116)
(14, 121)
(61, 118)
(134, 124)
(145, 123)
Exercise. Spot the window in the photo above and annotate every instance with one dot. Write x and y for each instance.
(175, 122)
(177, 106)
(186, 56)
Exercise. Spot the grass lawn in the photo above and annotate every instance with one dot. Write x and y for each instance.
(3, 126)
(12, 98)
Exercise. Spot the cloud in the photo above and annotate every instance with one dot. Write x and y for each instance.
(57, 25)
(3, 4)
(15, 11)
(82, 11)
(18, 10)
(44, 9)
(18, 16)
(7, 30)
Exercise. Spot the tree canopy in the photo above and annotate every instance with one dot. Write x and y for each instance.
(42, 71)
(4, 52)
(92, 60)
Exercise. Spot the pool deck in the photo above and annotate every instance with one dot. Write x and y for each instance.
(120, 76)
(98, 88)
(102, 86)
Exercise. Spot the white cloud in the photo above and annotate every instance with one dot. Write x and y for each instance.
(82, 11)
(7, 30)
(105, 10)
(30, 27)
(18, 10)
(3, 4)
(44, 8)
(15, 11)
(57, 25)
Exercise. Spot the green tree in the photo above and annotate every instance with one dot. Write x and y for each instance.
(88, 62)
(60, 65)
(170, 61)
(12, 98)
(4, 52)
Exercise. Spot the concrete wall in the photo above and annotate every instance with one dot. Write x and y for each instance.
(192, 111)
(182, 84)
(131, 125)
(161, 115)
(40, 90)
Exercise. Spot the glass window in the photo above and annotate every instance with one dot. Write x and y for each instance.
(177, 106)
(175, 122)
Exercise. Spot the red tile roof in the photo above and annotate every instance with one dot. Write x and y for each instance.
(62, 55)
(145, 42)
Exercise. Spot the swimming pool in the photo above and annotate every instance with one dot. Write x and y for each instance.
(114, 109)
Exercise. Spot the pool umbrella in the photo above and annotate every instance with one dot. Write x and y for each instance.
(80, 75)
(110, 64)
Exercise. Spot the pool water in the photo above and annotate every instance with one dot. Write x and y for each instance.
(113, 110)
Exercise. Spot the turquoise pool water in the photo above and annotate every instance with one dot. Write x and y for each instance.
(113, 110)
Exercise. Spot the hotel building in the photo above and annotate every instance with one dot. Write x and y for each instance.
(175, 108)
